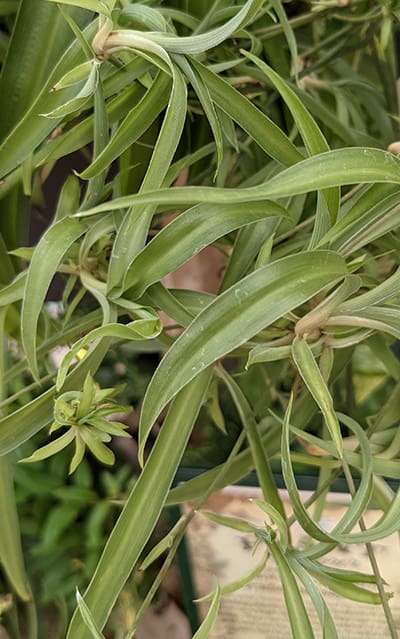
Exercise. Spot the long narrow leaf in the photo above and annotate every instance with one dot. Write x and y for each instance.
(45, 261)
(204, 631)
(187, 235)
(11, 556)
(132, 233)
(143, 507)
(297, 613)
(88, 617)
(313, 138)
(234, 317)
(313, 379)
(338, 167)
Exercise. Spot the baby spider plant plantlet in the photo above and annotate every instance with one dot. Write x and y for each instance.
(84, 413)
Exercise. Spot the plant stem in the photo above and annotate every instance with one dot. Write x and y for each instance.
(372, 558)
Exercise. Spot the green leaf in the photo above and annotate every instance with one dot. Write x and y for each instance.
(325, 618)
(203, 42)
(40, 37)
(80, 99)
(140, 329)
(14, 291)
(102, 7)
(373, 203)
(289, 34)
(78, 454)
(87, 397)
(45, 260)
(272, 352)
(204, 631)
(132, 233)
(305, 521)
(310, 132)
(186, 236)
(11, 554)
(88, 617)
(277, 519)
(313, 138)
(304, 409)
(78, 74)
(206, 102)
(237, 584)
(379, 318)
(260, 127)
(261, 461)
(387, 290)
(68, 200)
(37, 414)
(359, 502)
(248, 242)
(338, 167)
(150, 18)
(341, 587)
(230, 522)
(314, 381)
(136, 122)
(159, 549)
(101, 136)
(317, 317)
(50, 449)
(234, 317)
(142, 508)
(96, 447)
(297, 613)
(30, 130)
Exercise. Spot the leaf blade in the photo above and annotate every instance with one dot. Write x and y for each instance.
(235, 316)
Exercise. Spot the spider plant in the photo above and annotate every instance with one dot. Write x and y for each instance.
(275, 120)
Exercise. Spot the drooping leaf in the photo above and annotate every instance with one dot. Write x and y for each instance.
(337, 167)
(204, 631)
(234, 317)
(297, 613)
(142, 508)
(314, 381)
(140, 329)
(186, 236)
(45, 261)
(11, 555)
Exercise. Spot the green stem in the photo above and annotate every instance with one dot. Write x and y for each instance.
(371, 555)
(261, 461)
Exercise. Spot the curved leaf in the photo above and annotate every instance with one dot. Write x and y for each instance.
(143, 507)
(136, 122)
(297, 613)
(140, 329)
(132, 233)
(204, 41)
(187, 235)
(204, 631)
(313, 138)
(45, 261)
(307, 366)
(31, 129)
(338, 167)
(233, 318)
(11, 556)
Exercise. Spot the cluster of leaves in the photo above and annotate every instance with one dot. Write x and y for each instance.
(85, 414)
(275, 118)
